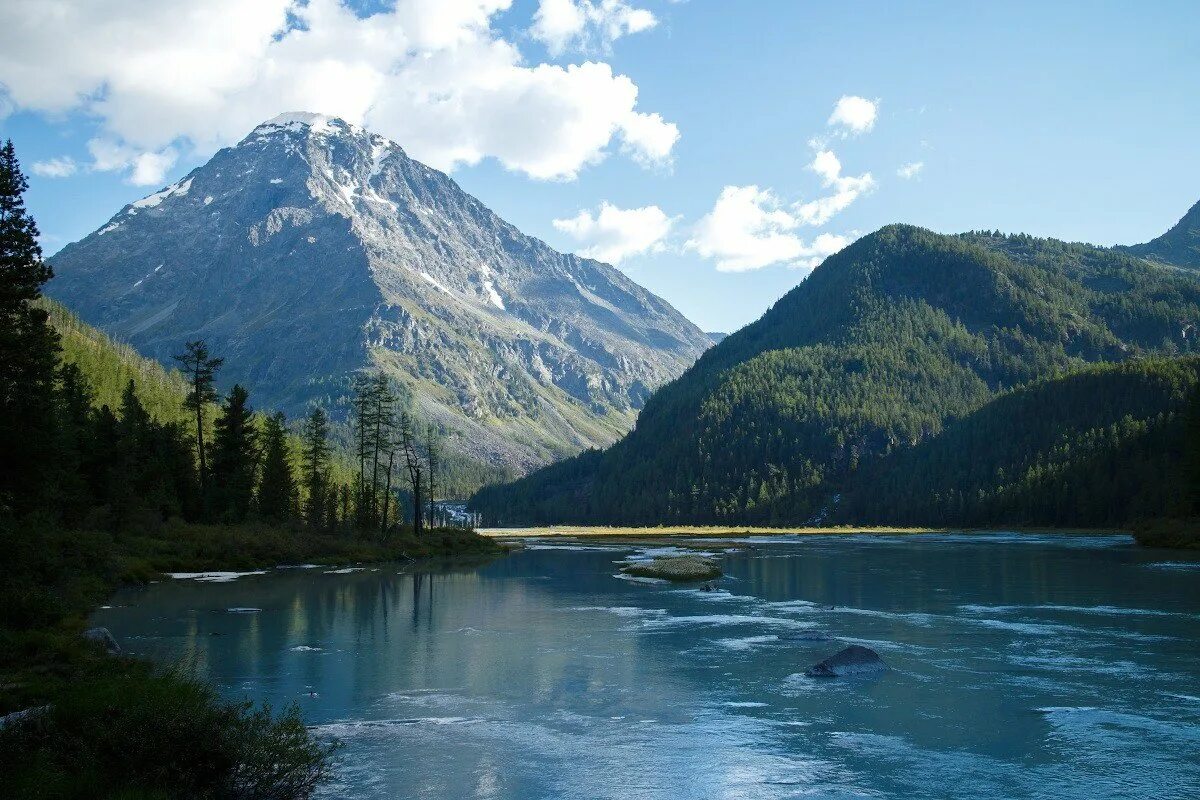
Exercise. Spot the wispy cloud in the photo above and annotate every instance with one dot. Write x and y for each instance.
(59, 167)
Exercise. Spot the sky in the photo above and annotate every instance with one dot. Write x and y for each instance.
(715, 151)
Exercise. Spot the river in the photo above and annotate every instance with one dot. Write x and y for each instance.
(1019, 665)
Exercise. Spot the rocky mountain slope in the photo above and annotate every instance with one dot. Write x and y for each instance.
(1179, 246)
(882, 348)
(315, 249)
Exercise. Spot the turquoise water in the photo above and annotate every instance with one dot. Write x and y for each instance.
(1019, 666)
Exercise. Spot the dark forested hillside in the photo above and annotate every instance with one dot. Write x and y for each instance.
(1102, 446)
(878, 350)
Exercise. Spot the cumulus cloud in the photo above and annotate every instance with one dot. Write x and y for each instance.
(846, 189)
(750, 228)
(192, 75)
(854, 115)
(59, 167)
(911, 169)
(143, 167)
(613, 234)
(585, 24)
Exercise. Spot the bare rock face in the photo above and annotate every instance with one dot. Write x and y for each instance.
(854, 660)
(314, 249)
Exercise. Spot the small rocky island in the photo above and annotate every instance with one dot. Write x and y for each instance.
(676, 568)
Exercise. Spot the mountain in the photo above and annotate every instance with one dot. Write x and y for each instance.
(1103, 446)
(1179, 246)
(883, 346)
(716, 336)
(315, 249)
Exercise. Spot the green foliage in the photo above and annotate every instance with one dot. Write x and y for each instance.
(1099, 447)
(276, 497)
(234, 458)
(157, 734)
(109, 366)
(28, 353)
(880, 349)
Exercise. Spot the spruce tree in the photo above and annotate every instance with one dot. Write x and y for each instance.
(277, 486)
(28, 354)
(235, 457)
(200, 370)
(315, 439)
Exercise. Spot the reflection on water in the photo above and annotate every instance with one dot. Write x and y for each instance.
(1020, 666)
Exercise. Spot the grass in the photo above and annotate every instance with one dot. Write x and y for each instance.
(690, 530)
(718, 531)
(1178, 534)
(122, 728)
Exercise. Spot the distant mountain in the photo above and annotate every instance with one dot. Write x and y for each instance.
(315, 249)
(1179, 246)
(716, 336)
(883, 347)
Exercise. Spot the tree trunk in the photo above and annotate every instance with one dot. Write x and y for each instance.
(387, 496)
(417, 503)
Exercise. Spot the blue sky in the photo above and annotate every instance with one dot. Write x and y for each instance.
(1078, 120)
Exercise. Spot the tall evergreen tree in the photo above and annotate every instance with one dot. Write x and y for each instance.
(407, 440)
(200, 370)
(28, 353)
(360, 419)
(277, 485)
(315, 439)
(1191, 447)
(235, 457)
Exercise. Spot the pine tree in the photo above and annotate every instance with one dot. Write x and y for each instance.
(277, 485)
(235, 457)
(406, 439)
(28, 353)
(1191, 447)
(315, 439)
(200, 371)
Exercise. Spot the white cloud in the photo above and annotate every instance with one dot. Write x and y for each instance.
(144, 167)
(911, 169)
(194, 75)
(846, 190)
(59, 167)
(854, 115)
(750, 228)
(613, 234)
(587, 24)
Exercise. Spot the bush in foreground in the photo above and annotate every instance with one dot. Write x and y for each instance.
(149, 734)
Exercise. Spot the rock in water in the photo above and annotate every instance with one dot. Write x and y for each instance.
(676, 568)
(854, 660)
(104, 638)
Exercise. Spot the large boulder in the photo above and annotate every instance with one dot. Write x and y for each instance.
(854, 660)
(676, 568)
(104, 638)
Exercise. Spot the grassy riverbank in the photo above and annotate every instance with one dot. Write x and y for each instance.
(742, 531)
(1178, 534)
(109, 726)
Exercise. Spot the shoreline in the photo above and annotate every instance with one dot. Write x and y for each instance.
(731, 531)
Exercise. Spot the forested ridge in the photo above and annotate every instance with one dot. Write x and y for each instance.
(883, 347)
